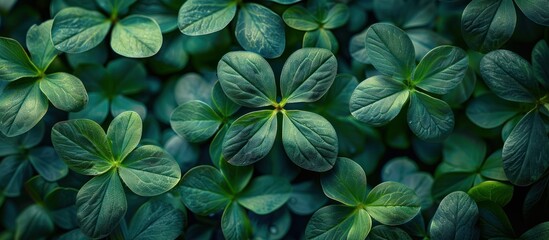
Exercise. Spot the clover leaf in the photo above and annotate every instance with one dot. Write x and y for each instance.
(146, 170)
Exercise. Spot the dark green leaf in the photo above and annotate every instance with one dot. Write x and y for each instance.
(101, 204)
(40, 45)
(124, 134)
(136, 37)
(540, 56)
(489, 111)
(321, 38)
(307, 75)
(336, 17)
(14, 171)
(378, 100)
(199, 17)
(115, 6)
(265, 194)
(429, 118)
(14, 61)
(345, 183)
(77, 30)
(493, 221)
(34, 222)
(339, 222)
(382, 232)
(250, 138)
(441, 70)
(204, 190)
(235, 224)
(195, 121)
(455, 218)
(300, 18)
(154, 220)
(83, 145)
(247, 79)
(260, 30)
(22, 106)
(120, 104)
(223, 104)
(538, 232)
(392, 203)
(309, 140)
(48, 164)
(534, 10)
(237, 177)
(306, 198)
(96, 109)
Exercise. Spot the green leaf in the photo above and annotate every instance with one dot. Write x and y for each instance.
(205, 190)
(306, 198)
(120, 104)
(40, 45)
(250, 138)
(235, 223)
(124, 134)
(195, 121)
(493, 221)
(441, 70)
(487, 25)
(429, 118)
(265, 194)
(381, 232)
(339, 222)
(260, 30)
(216, 145)
(48, 164)
(14, 171)
(496, 192)
(115, 6)
(390, 50)
(321, 38)
(154, 220)
(136, 37)
(271, 226)
(406, 14)
(464, 153)
(455, 218)
(14, 61)
(540, 56)
(149, 171)
(65, 91)
(539, 231)
(534, 10)
(298, 17)
(493, 167)
(247, 79)
(83, 145)
(237, 177)
(509, 76)
(345, 183)
(392, 203)
(378, 100)
(309, 140)
(336, 101)
(101, 204)
(490, 111)
(96, 109)
(336, 17)
(222, 103)
(34, 222)
(76, 30)
(453, 181)
(526, 150)
(22, 106)
(307, 75)
(199, 17)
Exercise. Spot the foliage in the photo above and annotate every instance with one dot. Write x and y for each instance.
(274, 119)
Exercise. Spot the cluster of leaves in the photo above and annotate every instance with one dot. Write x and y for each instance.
(272, 131)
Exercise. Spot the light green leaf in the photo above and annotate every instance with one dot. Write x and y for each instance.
(526, 150)
(250, 138)
(32, 223)
(441, 70)
(392, 203)
(489, 111)
(195, 121)
(76, 30)
(298, 17)
(390, 50)
(237, 177)
(534, 10)
(345, 183)
(223, 104)
(83, 145)
(124, 134)
(204, 190)
(22, 106)
(14, 61)
(155, 220)
(115, 6)
(487, 25)
(496, 192)
(96, 109)
(378, 100)
(101, 204)
(201, 17)
(339, 222)
(247, 79)
(136, 37)
(260, 30)
(429, 118)
(509, 76)
(309, 140)
(265, 194)
(336, 17)
(65, 91)
(47, 163)
(235, 223)
(307, 75)
(321, 38)
(455, 218)
(40, 45)
(149, 171)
